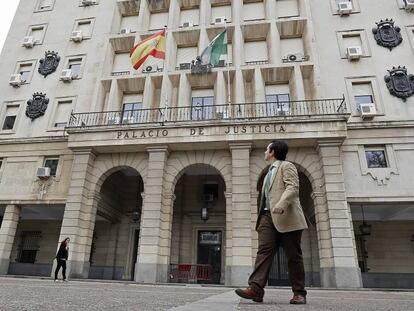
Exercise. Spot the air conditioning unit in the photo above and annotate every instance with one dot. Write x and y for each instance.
(150, 68)
(15, 79)
(125, 31)
(368, 110)
(28, 41)
(409, 5)
(353, 52)
(43, 172)
(344, 7)
(187, 24)
(220, 20)
(297, 57)
(76, 36)
(208, 197)
(185, 66)
(88, 2)
(66, 75)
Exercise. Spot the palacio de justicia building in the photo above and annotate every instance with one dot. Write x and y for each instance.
(154, 174)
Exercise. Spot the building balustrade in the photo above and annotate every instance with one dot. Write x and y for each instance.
(233, 112)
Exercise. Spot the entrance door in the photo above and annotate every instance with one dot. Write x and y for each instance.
(135, 253)
(209, 253)
(279, 275)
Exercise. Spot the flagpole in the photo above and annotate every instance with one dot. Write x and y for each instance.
(165, 76)
(228, 70)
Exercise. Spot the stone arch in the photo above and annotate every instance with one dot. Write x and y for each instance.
(178, 162)
(107, 164)
(306, 161)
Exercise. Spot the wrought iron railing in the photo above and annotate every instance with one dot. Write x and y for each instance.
(234, 112)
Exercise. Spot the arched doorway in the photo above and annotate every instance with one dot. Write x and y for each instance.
(279, 272)
(198, 227)
(116, 234)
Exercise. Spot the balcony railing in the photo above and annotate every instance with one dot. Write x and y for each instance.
(234, 112)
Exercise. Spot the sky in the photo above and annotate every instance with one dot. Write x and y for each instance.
(7, 10)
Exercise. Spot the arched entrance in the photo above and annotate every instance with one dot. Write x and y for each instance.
(198, 227)
(279, 272)
(116, 234)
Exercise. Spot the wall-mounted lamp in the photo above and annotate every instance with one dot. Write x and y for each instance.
(204, 213)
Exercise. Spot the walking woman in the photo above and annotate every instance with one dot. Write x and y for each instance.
(61, 258)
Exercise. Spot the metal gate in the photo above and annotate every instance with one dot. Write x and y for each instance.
(279, 275)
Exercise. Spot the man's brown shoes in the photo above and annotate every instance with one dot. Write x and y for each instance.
(250, 293)
(298, 300)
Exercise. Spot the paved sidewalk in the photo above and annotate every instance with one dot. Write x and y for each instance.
(37, 294)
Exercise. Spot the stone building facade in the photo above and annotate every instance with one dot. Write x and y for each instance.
(155, 173)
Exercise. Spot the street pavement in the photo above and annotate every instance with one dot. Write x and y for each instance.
(43, 294)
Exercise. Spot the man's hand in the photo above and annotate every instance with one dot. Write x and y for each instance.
(276, 210)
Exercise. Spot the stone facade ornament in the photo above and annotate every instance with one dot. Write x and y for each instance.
(49, 64)
(37, 106)
(399, 83)
(198, 68)
(386, 34)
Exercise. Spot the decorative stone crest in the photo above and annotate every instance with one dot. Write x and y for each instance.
(49, 64)
(37, 106)
(399, 83)
(198, 68)
(386, 34)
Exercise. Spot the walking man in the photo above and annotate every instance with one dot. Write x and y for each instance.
(280, 221)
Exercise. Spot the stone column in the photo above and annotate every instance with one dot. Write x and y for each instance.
(242, 262)
(79, 217)
(155, 234)
(339, 264)
(229, 237)
(7, 235)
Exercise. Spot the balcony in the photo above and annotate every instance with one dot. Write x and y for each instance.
(128, 7)
(247, 112)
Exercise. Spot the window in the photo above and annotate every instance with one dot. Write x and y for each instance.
(75, 65)
(38, 33)
(10, 117)
(121, 64)
(45, 5)
(277, 104)
(85, 26)
(287, 8)
(363, 99)
(256, 52)
(29, 246)
(158, 21)
(190, 16)
(221, 11)
(362, 93)
(186, 55)
(25, 72)
(202, 108)
(51, 163)
(376, 157)
(63, 110)
(253, 11)
(131, 112)
(210, 191)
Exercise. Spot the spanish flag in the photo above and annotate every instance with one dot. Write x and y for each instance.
(153, 45)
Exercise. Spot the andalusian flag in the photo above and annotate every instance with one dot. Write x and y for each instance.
(153, 45)
(216, 48)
